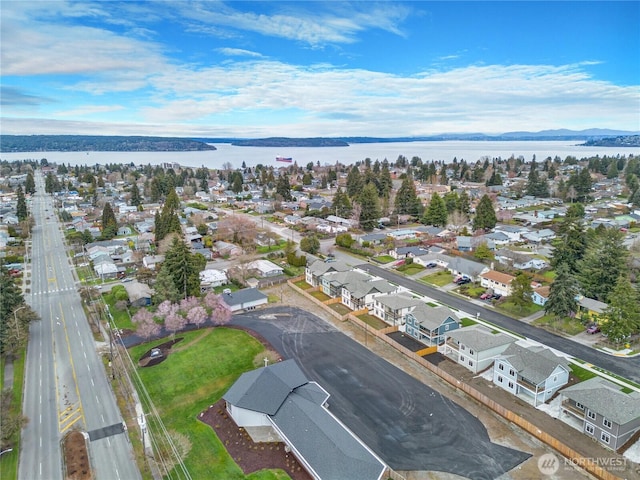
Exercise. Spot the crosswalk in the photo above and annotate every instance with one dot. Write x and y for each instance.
(58, 290)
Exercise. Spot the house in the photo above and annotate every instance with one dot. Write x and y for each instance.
(541, 295)
(497, 281)
(372, 238)
(589, 307)
(514, 232)
(139, 293)
(151, 261)
(394, 308)
(313, 273)
(430, 325)
(459, 266)
(245, 299)
(533, 371)
(409, 252)
(476, 346)
(333, 282)
(211, 278)
(519, 261)
(604, 410)
(360, 294)
(281, 400)
(226, 249)
(264, 268)
(124, 231)
(540, 236)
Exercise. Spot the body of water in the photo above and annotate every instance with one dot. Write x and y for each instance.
(251, 156)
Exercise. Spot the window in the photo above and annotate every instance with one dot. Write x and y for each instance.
(499, 378)
(591, 415)
(510, 384)
(470, 363)
(470, 352)
(512, 372)
(446, 327)
(501, 367)
(589, 428)
(605, 437)
(606, 423)
(462, 347)
(579, 405)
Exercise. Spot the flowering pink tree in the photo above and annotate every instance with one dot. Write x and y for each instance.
(141, 316)
(165, 309)
(197, 315)
(218, 310)
(189, 303)
(174, 322)
(147, 327)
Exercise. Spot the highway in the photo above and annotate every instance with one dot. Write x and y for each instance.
(66, 386)
(625, 367)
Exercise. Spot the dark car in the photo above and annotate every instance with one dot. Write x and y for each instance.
(496, 296)
(431, 265)
(463, 280)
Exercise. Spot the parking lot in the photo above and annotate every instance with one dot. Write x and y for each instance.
(409, 425)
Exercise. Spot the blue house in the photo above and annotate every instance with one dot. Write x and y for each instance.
(430, 325)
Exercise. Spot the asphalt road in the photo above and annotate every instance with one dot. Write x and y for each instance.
(65, 382)
(409, 425)
(625, 367)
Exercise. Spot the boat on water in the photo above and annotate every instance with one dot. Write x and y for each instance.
(284, 159)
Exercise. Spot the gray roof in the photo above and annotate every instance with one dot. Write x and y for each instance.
(533, 363)
(265, 389)
(465, 266)
(480, 338)
(432, 317)
(346, 278)
(592, 304)
(320, 267)
(396, 302)
(607, 399)
(330, 450)
(363, 288)
(240, 297)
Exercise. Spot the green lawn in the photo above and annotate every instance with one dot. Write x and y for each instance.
(272, 248)
(581, 373)
(302, 284)
(120, 317)
(9, 461)
(373, 322)
(439, 279)
(384, 259)
(323, 297)
(517, 311)
(340, 308)
(410, 269)
(467, 322)
(570, 326)
(201, 369)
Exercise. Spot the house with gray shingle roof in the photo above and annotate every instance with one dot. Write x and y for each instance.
(333, 282)
(606, 412)
(533, 371)
(314, 272)
(393, 308)
(462, 267)
(431, 325)
(279, 397)
(360, 294)
(475, 347)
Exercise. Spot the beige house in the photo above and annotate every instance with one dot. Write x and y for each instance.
(497, 281)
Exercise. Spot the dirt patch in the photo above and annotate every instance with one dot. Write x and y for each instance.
(76, 457)
(250, 456)
(165, 348)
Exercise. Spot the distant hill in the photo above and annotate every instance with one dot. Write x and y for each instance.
(97, 143)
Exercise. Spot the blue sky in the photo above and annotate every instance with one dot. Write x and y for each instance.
(302, 69)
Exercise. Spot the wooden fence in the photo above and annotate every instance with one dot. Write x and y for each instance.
(507, 414)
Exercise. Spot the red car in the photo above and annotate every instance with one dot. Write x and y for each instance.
(593, 329)
(485, 296)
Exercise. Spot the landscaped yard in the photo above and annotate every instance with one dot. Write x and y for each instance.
(302, 284)
(373, 322)
(570, 326)
(340, 308)
(323, 297)
(384, 259)
(517, 311)
(439, 279)
(196, 374)
(120, 317)
(467, 322)
(410, 269)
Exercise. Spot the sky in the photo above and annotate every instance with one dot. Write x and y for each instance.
(317, 69)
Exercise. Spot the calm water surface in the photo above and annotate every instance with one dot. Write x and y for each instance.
(251, 156)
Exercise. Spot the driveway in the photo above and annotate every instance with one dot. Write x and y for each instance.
(409, 425)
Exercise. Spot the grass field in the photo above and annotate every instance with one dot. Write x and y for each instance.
(9, 461)
(517, 311)
(195, 375)
(570, 326)
(439, 279)
(384, 259)
(410, 269)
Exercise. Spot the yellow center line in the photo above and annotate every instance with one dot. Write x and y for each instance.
(73, 368)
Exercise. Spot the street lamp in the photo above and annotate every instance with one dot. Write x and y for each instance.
(15, 314)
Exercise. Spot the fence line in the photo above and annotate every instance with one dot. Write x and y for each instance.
(566, 451)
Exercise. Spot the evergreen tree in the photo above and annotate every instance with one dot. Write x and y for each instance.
(136, 200)
(521, 290)
(30, 184)
(167, 220)
(464, 203)
(369, 207)
(604, 261)
(562, 293)
(109, 222)
(341, 204)
(21, 206)
(407, 201)
(444, 180)
(570, 244)
(536, 186)
(436, 212)
(485, 218)
(622, 316)
(283, 189)
(183, 268)
(355, 183)
(451, 201)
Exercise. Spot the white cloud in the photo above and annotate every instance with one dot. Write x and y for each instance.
(238, 52)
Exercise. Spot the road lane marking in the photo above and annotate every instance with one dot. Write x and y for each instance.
(73, 368)
(92, 384)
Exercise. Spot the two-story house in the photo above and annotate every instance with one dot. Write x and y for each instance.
(533, 371)
(475, 347)
(497, 281)
(314, 272)
(360, 294)
(606, 412)
(430, 325)
(394, 308)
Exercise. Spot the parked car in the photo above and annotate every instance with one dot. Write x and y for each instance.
(431, 265)
(592, 329)
(496, 296)
(486, 296)
(128, 279)
(462, 280)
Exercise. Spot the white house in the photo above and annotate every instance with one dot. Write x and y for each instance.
(497, 281)
(533, 371)
(211, 278)
(264, 268)
(475, 347)
(393, 308)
